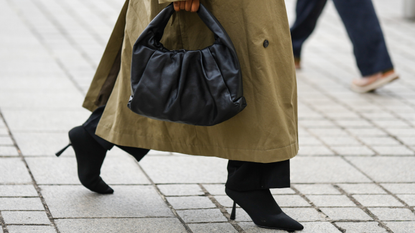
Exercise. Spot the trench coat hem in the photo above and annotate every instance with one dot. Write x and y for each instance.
(104, 67)
(239, 154)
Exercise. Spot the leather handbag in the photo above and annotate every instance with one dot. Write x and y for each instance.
(196, 87)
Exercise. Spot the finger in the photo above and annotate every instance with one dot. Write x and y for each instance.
(189, 5)
(195, 5)
(182, 5)
(176, 6)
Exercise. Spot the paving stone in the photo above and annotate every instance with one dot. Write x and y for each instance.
(8, 151)
(17, 100)
(386, 169)
(282, 200)
(324, 170)
(316, 124)
(316, 189)
(291, 201)
(366, 132)
(20, 204)
(401, 132)
(215, 189)
(329, 132)
(31, 229)
(181, 190)
(342, 115)
(309, 227)
(408, 199)
(353, 150)
(340, 141)
(127, 201)
(344, 214)
(362, 189)
(165, 169)
(119, 169)
(202, 216)
(331, 200)
(393, 150)
(46, 84)
(212, 227)
(157, 152)
(408, 140)
(354, 123)
(401, 227)
(309, 141)
(400, 188)
(393, 214)
(378, 115)
(304, 214)
(190, 202)
(25, 217)
(314, 151)
(379, 141)
(13, 170)
(391, 123)
(3, 131)
(280, 191)
(359, 227)
(17, 191)
(43, 143)
(224, 200)
(130, 225)
(377, 200)
(6, 141)
(299, 214)
(250, 227)
(44, 120)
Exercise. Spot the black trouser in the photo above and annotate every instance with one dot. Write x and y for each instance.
(362, 25)
(242, 176)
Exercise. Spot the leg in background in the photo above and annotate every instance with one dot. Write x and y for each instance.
(363, 27)
(307, 14)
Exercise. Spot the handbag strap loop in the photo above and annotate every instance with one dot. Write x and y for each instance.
(156, 27)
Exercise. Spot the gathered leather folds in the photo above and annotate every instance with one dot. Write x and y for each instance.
(197, 87)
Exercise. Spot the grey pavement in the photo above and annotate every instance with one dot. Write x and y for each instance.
(354, 172)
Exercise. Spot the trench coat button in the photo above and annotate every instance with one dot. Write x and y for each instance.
(266, 43)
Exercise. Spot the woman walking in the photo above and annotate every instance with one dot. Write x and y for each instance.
(258, 142)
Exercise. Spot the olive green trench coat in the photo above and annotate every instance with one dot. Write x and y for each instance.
(265, 131)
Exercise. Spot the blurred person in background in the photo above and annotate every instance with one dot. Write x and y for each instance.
(363, 27)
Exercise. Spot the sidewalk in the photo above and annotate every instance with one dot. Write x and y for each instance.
(354, 173)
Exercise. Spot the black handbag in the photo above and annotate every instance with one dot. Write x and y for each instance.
(197, 87)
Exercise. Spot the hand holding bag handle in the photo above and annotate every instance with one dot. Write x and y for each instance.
(197, 87)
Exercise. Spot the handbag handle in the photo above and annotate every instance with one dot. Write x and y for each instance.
(155, 30)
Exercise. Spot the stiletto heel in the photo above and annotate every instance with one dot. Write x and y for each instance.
(233, 214)
(263, 210)
(61, 151)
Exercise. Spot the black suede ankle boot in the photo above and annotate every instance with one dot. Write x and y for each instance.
(137, 153)
(263, 209)
(89, 155)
